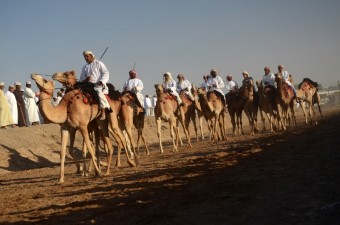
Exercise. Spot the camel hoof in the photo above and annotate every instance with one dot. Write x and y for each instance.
(61, 181)
(107, 173)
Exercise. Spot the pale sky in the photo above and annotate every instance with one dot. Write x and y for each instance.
(177, 36)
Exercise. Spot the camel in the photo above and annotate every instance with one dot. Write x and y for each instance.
(308, 92)
(167, 109)
(69, 80)
(212, 106)
(71, 113)
(286, 101)
(235, 104)
(189, 113)
(250, 105)
(199, 112)
(267, 97)
(129, 118)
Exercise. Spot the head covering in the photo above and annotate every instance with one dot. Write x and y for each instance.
(245, 72)
(28, 82)
(213, 72)
(180, 76)
(132, 72)
(11, 86)
(229, 76)
(87, 53)
(2, 84)
(17, 83)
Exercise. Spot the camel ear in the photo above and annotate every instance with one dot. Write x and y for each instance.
(73, 72)
(257, 82)
(155, 85)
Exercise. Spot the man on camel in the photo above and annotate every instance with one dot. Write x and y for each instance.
(135, 85)
(285, 76)
(170, 85)
(215, 83)
(185, 86)
(96, 72)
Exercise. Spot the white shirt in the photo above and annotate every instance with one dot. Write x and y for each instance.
(205, 85)
(154, 101)
(230, 85)
(31, 106)
(216, 81)
(182, 85)
(268, 79)
(97, 70)
(148, 103)
(130, 84)
(171, 84)
(12, 101)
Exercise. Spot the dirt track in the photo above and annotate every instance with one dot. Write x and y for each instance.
(288, 177)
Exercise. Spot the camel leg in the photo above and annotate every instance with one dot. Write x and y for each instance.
(174, 129)
(200, 120)
(64, 138)
(302, 106)
(72, 133)
(159, 134)
(141, 136)
(185, 125)
(103, 127)
(263, 120)
(233, 123)
(83, 130)
(317, 101)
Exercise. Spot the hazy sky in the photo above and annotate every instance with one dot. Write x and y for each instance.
(177, 36)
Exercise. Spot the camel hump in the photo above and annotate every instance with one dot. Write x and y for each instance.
(113, 93)
(309, 81)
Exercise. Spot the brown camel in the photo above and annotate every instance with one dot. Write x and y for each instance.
(69, 80)
(65, 115)
(308, 92)
(189, 113)
(267, 96)
(286, 101)
(129, 118)
(167, 109)
(212, 106)
(250, 105)
(199, 112)
(235, 104)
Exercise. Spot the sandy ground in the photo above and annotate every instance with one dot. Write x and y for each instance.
(290, 177)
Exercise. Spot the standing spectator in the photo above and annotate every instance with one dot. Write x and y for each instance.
(12, 104)
(148, 105)
(31, 106)
(154, 101)
(5, 112)
(21, 105)
(59, 96)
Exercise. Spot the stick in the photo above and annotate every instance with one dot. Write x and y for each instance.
(103, 53)
(134, 65)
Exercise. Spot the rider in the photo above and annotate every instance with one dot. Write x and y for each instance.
(268, 78)
(215, 83)
(184, 85)
(96, 72)
(169, 85)
(136, 86)
(205, 82)
(231, 87)
(286, 77)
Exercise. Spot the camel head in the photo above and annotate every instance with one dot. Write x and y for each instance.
(44, 85)
(278, 77)
(201, 91)
(259, 85)
(159, 88)
(68, 78)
